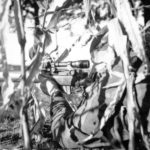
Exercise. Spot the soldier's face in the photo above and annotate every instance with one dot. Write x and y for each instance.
(103, 10)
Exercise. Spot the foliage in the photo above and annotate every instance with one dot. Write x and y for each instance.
(25, 92)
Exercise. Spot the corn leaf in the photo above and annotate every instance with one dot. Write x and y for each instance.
(19, 24)
(131, 26)
(8, 85)
(52, 26)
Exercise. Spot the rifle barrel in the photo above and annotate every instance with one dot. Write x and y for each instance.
(74, 64)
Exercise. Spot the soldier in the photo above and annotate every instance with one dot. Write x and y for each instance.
(65, 126)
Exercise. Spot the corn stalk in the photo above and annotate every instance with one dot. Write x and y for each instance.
(131, 109)
(131, 26)
(22, 41)
(120, 45)
(32, 71)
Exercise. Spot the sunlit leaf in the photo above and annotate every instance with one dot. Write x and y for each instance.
(63, 55)
(42, 4)
(131, 26)
(7, 86)
(146, 26)
(7, 90)
(34, 69)
(48, 39)
(19, 23)
(97, 41)
(52, 26)
(33, 49)
(40, 50)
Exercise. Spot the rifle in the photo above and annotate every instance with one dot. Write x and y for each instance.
(65, 73)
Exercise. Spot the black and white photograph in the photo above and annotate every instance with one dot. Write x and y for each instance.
(74, 74)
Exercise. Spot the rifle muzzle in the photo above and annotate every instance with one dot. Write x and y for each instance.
(74, 64)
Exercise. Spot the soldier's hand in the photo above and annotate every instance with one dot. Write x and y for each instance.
(46, 63)
(47, 84)
(101, 68)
